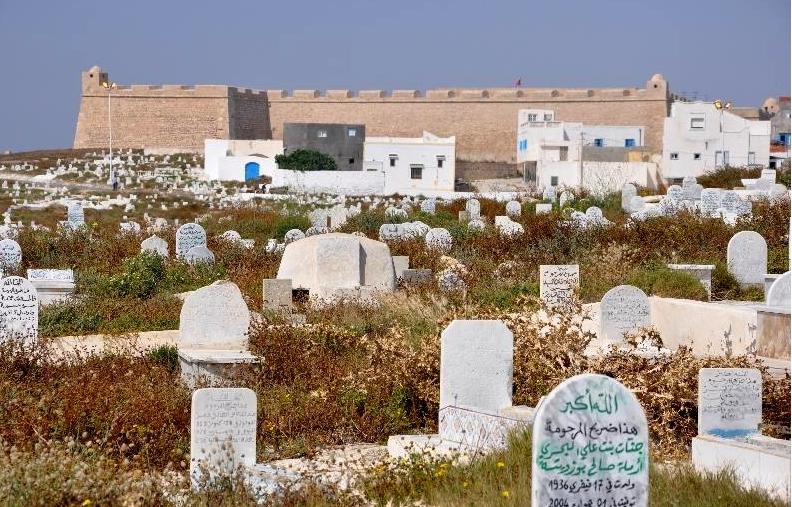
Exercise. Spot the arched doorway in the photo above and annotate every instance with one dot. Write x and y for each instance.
(251, 171)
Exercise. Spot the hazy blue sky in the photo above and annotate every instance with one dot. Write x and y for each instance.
(738, 50)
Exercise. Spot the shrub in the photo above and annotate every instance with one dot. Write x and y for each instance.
(306, 160)
(665, 282)
(140, 276)
(728, 176)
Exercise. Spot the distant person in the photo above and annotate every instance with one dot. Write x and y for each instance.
(115, 184)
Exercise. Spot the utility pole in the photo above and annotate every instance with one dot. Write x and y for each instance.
(110, 86)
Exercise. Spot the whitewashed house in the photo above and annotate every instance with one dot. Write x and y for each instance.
(240, 160)
(600, 158)
(698, 137)
(404, 165)
(412, 164)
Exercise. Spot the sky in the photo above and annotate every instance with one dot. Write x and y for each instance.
(735, 50)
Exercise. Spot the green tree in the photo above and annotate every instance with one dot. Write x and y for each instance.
(306, 160)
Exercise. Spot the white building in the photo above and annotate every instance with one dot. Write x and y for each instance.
(412, 164)
(240, 160)
(597, 157)
(698, 137)
(404, 165)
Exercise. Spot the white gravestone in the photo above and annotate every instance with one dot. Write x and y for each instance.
(476, 362)
(558, 283)
(624, 309)
(779, 293)
(156, 245)
(674, 192)
(627, 193)
(549, 194)
(439, 239)
(50, 275)
(746, 256)
(75, 214)
(473, 206)
(222, 431)
(189, 236)
(391, 232)
(199, 255)
(19, 308)
(729, 402)
(513, 208)
(214, 317)
(10, 254)
(729, 201)
(428, 206)
(590, 446)
(710, 201)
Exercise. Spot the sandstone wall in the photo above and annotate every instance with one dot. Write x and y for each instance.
(484, 121)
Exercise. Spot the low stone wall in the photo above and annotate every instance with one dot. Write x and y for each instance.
(467, 170)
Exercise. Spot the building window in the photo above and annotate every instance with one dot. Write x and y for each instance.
(553, 181)
(721, 158)
(416, 172)
(599, 142)
(393, 160)
(548, 117)
(697, 122)
(351, 161)
(628, 143)
(522, 145)
(321, 133)
(532, 117)
(352, 132)
(697, 156)
(563, 153)
(751, 158)
(440, 161)
(674, 156)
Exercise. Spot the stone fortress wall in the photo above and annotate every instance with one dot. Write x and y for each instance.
(484, 121)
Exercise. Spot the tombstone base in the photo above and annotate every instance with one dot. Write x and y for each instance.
(53, 292)
(211, 365)
(758, 461)
(464, 431)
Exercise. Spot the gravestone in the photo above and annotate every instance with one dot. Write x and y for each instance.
(214, 317)
(75, 214)
(746, 256)
(779, 293)
(594, 215)
(623, 309)
(473, 207)
(729, 402)
(231, 236)
(222, 431)
(543, 208)
(729, 201)
(627, 193)
(199, 255)
(590, 446)
(549, 194)
(558, 283)
(689, 181)
(428, 206)
(565, 197)
(710, 201)
(19, 307)
(391, 232)
(476, 363)
(674, 192)
(439, 239)
(10, 255)
(156, 245)
(189, 236)
(513, 208)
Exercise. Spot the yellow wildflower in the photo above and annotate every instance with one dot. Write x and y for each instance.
(86, 503)
(501, 464)
(505, 493)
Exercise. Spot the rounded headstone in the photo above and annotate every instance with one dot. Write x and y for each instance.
(513, 208)
(199, 255)
(590, 445)
(473, 206)
(623, 309)
(476, 225)
(155, 244)
(293, 235)
(779, 293)
(10, 254)
(439, 239)
(214, 317)
(189, 236)
(746, 256)
(428, 206)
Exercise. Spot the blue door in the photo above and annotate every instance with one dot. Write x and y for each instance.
(251, 171)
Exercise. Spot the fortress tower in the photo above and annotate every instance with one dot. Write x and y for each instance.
(482, 119)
